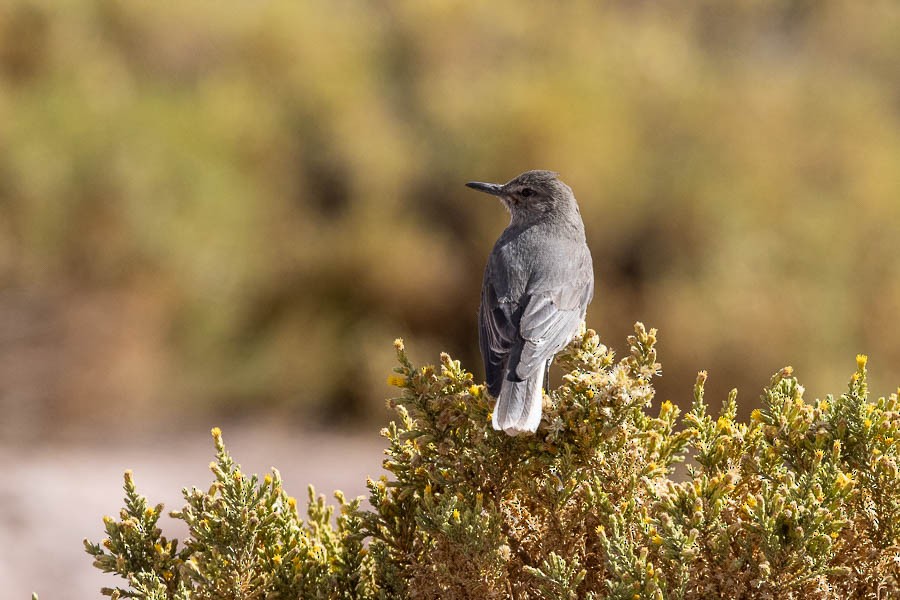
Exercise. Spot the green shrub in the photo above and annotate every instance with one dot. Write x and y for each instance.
(802, 501)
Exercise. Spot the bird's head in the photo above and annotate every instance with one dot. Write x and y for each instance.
(531, 195)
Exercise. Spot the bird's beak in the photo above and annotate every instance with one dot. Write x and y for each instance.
(495, 189)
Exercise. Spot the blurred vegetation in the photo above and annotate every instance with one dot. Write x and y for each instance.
(227, 208)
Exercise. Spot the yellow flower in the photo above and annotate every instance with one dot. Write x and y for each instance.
(867, 423)
(824, 405)
(456, 515)
(756, 415)
(396, 381)
(474, 391)
(861, 360)
(666, 406)
(216, 432)
(843, 480)
(292, 503)
(657, 540)
(751, 500)
(277, 559)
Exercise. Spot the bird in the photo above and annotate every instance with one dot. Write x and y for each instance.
(538, 282)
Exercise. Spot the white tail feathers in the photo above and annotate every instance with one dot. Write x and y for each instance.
(518, 408)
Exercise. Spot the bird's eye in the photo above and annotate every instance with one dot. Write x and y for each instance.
(526, 192)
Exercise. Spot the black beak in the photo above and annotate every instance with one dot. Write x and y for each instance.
(495, 189)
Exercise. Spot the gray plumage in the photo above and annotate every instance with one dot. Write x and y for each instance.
(538, 282)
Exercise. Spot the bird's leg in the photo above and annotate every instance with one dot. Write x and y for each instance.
(547, 376)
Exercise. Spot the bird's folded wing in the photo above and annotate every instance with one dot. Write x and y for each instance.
(550, 320)
(497, 334)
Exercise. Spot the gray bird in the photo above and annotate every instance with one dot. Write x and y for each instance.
(538, 282)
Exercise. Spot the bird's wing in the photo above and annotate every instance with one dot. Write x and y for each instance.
(549, 321)
(497, 334)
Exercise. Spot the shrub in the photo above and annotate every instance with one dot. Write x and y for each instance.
(802, 501)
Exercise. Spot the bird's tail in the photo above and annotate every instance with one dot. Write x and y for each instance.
(518, 408)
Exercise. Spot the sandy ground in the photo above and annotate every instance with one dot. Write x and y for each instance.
(52, 497)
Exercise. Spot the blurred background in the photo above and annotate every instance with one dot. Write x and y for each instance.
(224, 215)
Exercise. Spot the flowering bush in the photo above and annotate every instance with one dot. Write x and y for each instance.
(802, 501)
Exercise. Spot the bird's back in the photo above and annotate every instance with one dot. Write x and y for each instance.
(537, 258)
(549, 272)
